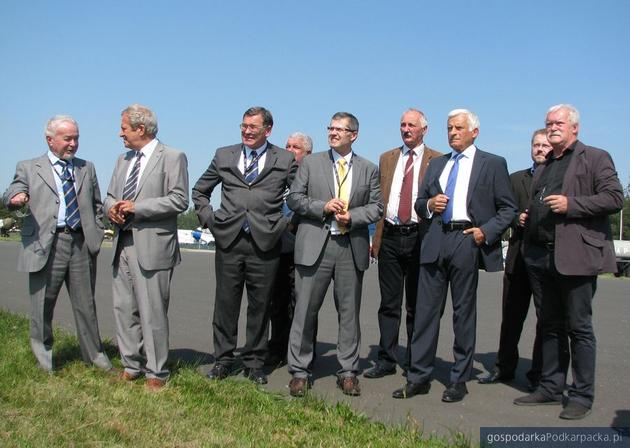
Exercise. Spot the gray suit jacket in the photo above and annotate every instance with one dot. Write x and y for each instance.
(260, 203)
(161, 195)
(35, 177)
(313, 187)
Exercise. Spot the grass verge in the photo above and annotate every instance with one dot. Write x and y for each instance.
(83, 406)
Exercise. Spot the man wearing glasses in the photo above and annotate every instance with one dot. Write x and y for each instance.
(336, 195)
(247, 228)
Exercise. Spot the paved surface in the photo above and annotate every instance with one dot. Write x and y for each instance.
(491, 405)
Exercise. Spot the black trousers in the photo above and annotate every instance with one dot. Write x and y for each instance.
(398, 266)
(567, 330)
(282, 306)
(517, 292)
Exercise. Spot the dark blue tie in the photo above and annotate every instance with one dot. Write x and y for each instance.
(450, 189)
(73, 219)
(251, 172)
(130, 187)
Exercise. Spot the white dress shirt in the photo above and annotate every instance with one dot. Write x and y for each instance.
(248, 154)
(394, 194)
(460, 212)
(57, 171)
(147, 151)
(334, 227)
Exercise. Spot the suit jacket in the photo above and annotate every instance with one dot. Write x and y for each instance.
(260, 203)
(521, 182)
(387, 167)
(35, 177)
(313, 187)
(161, 195)
(583, 244)
(490, 203)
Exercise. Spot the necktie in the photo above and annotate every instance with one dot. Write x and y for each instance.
(344, 189)
(450, 189)
(132, 181)
(404, 206)
(73, 219)
(252, 170)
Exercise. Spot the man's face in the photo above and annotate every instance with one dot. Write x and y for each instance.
(459, 137)
(132, 138)
(340, 137)
(561, 133)
(65, 143)
(297, 147)
(540, 148)
(411, 129)
(253, 133)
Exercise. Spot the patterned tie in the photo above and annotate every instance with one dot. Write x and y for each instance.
(252, 170)
(344, 189)
(132, 181)
(404, 206)
(450, 189)
(73, 219)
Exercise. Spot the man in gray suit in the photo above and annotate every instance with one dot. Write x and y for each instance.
(148, 189)
(247, 229)
(61, 237)
(336, 195)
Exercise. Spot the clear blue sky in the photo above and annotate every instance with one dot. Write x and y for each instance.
(200, 64)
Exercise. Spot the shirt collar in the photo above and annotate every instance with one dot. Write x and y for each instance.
(416, 151)
(469, 152)
(54, 159)
(147, 150)
(337, 156)
(249, 150)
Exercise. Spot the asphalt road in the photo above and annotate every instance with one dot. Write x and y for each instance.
(490, 405)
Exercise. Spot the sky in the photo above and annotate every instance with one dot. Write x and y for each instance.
(200, 64)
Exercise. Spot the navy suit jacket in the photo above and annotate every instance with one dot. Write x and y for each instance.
(490, 205)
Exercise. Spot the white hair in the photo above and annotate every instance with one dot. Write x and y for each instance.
(473, 120)
(574, 114)
(308, 141)
(53, 124)
(423, 119)
(142, 115)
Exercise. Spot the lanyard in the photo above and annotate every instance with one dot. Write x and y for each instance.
(342, 181)
(247, 168)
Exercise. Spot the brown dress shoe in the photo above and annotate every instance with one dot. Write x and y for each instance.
(298, 386)
(126, 376)
(155, 384)
(349, 385)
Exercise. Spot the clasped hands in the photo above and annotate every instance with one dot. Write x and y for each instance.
(120, 210)
(337, 207)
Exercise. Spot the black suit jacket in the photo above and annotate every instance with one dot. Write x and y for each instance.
(521, 182)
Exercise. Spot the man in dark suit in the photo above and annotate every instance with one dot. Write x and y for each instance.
(516, 287)
(61, 238)
(247, 229)
(467, 199)
(568, 243)
(148, 190)
(396, 243)
(336, 196)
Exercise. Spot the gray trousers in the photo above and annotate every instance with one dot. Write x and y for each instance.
(141, 301)
(70, 262)
(311, 283)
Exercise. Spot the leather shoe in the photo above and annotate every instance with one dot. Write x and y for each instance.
(349, 385)
(454, 392)
(574, 411)
(155, 384)
(126, 376)
(535, 399)
(379, 371)
(256, 376)
(495, 376)
(411, 389)
(218, 372)
(299, 386)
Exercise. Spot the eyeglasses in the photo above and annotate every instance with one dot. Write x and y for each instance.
(334, 129)
(251, 127)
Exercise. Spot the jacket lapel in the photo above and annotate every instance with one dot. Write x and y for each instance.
(271, 158)
(79, 174)
(236, 156)
(358, 178)
(44, 170)
(477, 166)
(150, 167)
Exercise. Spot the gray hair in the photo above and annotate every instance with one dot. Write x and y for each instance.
(354, 123)
(473, 120)
(142, 115)
(53, 124)
(308, 141)
(423, 118)
(266, 115)
(574, 114)
(542, 131)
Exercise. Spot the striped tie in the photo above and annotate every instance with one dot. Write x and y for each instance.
(252, 170)
(73, 219)
(132, 181)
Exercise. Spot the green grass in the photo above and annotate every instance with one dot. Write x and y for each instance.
(82, 406)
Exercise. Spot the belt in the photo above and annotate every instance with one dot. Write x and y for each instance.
(405, 229)
(456, 225)
(67, 229)
(547, 245)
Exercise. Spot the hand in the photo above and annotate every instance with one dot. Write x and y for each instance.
(557, 203)
(127, 207)
(115, 215)
(478, 235)
(19, 199)
(522, 218)
(437, 204)
(343, 218)
(335, 205)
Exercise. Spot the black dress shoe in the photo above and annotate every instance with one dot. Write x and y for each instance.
(535, 399)
(496, 376)
(218, 372)
(574, 411)
(379, 371)
(454, 392)
(412, 389)
(256, 376)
